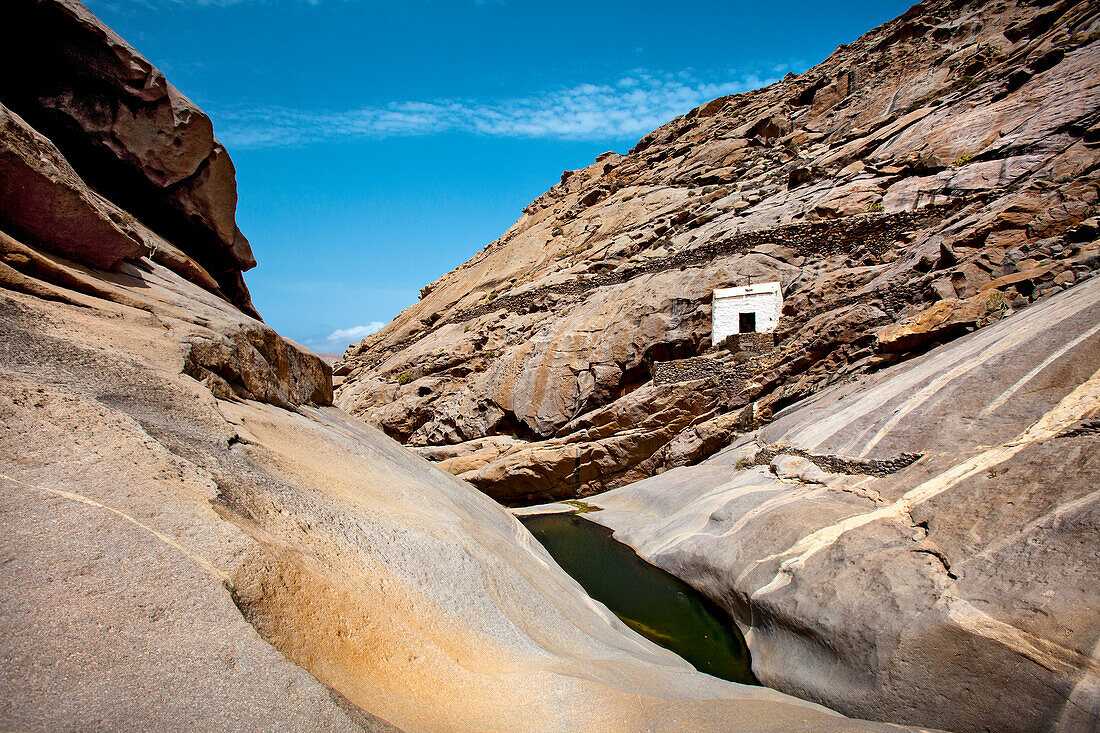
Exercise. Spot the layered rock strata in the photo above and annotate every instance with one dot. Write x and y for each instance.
(178, 557)
(132, 136)
(957, 590)
(922, 182)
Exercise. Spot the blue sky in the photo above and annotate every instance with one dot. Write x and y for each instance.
(381, 143)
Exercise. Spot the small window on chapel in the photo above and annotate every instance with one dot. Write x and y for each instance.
(747, 323)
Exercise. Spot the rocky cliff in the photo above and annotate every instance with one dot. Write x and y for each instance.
(924, 181)
(179, 558)
(193, 537)
(132, 136)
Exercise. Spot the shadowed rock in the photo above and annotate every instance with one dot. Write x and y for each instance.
(43, 198)
(130, 134)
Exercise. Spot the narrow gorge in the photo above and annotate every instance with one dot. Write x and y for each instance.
(881, 514)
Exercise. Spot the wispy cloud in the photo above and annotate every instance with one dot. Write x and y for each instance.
(629, 107)
(339, 340)
(355, 332)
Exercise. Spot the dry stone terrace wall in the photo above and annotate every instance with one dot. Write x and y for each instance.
(730, 364)
(755, 344)
(864, 235)
(687, 370)
(877, 467)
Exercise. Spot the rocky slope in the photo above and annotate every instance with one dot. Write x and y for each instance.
(194, 538)
(923, 181)
(175, 558)
(956, 591)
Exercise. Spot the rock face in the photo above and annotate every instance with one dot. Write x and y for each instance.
(132, 136)
(46, 200)
(924, 181)
(225, 563)
(194, 538)
(918, 546)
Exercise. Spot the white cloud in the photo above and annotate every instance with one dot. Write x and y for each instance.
(629, 107)
(339, 340)
(355, 332)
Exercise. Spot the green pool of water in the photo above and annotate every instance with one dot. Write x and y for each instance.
(657, 605)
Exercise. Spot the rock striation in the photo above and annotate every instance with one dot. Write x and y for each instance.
(179, 556)
(132, 136)
(922, 182)
(918, 545)
(194, 538)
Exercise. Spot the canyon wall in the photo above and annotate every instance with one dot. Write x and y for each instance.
(918, 545)
(133, 136)
(194, 538)
(925, 180)
(894, 493)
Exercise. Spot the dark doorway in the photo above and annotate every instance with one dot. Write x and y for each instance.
(747, 323)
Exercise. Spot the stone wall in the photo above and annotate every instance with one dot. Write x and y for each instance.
(687, 370)
(860, 237)
(838, 464)
(753, 344)
(731, 364)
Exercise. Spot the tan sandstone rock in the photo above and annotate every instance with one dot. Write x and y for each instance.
(956, 591)
(931, 159)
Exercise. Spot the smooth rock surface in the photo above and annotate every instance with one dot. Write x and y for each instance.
(958, 592)
(179, 558)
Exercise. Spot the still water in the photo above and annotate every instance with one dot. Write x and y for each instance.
(649, 600)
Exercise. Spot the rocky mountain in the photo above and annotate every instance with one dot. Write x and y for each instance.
(924, 181)
(193, 537)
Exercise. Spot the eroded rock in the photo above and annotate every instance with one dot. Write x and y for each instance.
(222, 561)
(133, 137)
(890, 190)
(42, 197)
(954, 591)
